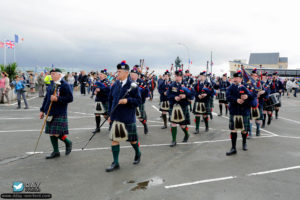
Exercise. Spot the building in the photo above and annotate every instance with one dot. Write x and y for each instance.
(270, 61)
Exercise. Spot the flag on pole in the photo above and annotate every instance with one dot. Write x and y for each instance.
(10, 44)
(1, 44)
(16, 38)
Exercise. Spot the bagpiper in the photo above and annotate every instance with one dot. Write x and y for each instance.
(123, 100)
(179, 97)
(198, 86)
(239, 99)
(222, 85)
(276, 87)
(60, 94)
(164, 102)
(102, 89)
(144, 91)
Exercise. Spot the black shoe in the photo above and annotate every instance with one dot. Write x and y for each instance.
(245, 147)
(196, 131)
(146, 129)
(257, 132)
(26, 107)
(173, 144)
(137, 159)
(263, 126)
(186, 138)
(97, 130)
(113, 167)
(164, 127)
(18, 107)
(220, 114)
(53, 155)
(206, 129)
(68, 148)
(231, 152)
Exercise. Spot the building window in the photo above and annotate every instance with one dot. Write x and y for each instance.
(280, 66)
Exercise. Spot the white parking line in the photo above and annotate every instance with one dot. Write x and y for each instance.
(297, 122)
(232, 177)
(153, 106)
(202, 181)
(274, 171)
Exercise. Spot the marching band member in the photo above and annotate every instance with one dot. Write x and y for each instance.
(123, 100)
(198, 86)
(222, 85)
(144, 90)
(102, 89)
(57, 123)
(276, 87)
(164, 103)
(179, 97)
(239, 99)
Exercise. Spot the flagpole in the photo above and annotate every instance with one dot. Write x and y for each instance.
(4, 59)
(211, 62)
(15, 52)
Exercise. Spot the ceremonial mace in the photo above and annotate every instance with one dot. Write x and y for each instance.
(132, 86)
(45, 120)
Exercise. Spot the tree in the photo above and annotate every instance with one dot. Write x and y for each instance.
(10, 69)
(177, 63)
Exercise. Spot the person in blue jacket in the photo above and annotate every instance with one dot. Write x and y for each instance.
(162, 89)
(203, 96)
(124, 112)
(144, 90)
(198, 86)
(222, 85)
(240, 100)
(57, 123)
(178, 94)
(102, 90)
(276, 87)
(266, 108)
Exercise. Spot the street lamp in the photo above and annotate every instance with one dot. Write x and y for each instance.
(188, 52)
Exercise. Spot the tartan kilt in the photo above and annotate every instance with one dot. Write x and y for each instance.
(267, 107)
(57, 126)
(261, 114)
(207, 107)
(186, 114)
(105, 105)
(246, 120)
(223, 101)
(132, 132)
(142, 111)
(160, 107)
(211, 102)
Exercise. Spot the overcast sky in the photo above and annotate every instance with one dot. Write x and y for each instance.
(72, 33)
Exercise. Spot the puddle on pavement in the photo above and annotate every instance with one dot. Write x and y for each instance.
(147, 184)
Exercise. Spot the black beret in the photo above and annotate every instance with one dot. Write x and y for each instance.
(238, 74)
(123, 65)
(179, 73)
(104, 71)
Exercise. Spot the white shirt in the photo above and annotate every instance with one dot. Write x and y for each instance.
(123, 82)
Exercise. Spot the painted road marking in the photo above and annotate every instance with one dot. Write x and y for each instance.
(231, 177)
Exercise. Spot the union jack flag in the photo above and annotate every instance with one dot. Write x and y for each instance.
(10, 44)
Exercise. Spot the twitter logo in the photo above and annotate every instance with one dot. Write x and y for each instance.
(18, 186)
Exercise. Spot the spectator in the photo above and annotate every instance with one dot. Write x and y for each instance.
(295, 87)
(20, 90)
(71, 81)
(4, 87)
(289, 87)
(41, 84)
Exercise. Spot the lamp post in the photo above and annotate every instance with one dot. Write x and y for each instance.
(188, 52)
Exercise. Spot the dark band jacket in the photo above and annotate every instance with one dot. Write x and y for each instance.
(104, 86)
(162, 88)
(144, 89)
(175, 89)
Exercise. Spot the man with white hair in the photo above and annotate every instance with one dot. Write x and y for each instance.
(60, 94)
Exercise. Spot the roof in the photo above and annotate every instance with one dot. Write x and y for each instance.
(283, 59)
(263, 58)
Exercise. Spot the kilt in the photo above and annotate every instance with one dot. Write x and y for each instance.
(105, 105)
(207, 108)
(246, 120)
(211, 102)
(57, 126)
(223, 101)
(261, 115)
(142, 111)
(186, 114)
(160, 107)
(267, 107)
